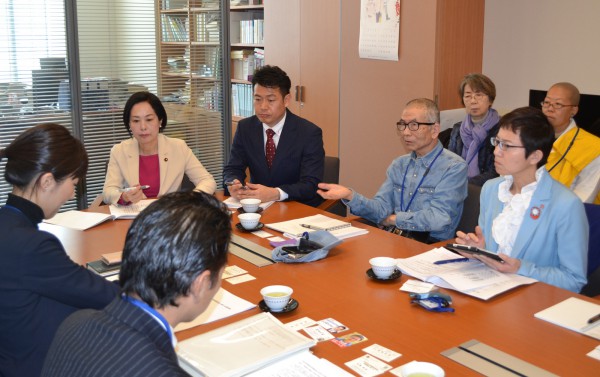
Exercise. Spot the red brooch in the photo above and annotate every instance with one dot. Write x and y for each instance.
(536, 212)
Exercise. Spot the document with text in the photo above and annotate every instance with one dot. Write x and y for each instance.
(472, 278)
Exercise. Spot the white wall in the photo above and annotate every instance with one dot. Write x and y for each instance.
(531, 44)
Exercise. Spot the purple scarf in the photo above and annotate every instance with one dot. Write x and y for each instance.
(472, 136)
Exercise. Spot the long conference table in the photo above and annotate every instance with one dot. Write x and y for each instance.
(338, 287)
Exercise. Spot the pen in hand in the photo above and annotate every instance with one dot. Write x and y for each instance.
(231, 183)
(454, 260)
(595, 318)
(127, 189)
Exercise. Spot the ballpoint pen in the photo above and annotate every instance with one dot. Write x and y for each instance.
(230, 183)
(312, 227)
(594, 319)
(144, 187)
(455, 260)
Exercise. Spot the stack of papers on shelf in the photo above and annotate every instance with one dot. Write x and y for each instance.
(130, 211)
(574, 314)
(241, 347)
(472, 278)
(295, 228)
(78, 220)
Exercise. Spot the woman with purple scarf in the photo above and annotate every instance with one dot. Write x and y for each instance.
(471, 137)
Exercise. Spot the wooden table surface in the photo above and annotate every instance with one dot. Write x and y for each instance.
(338, 287)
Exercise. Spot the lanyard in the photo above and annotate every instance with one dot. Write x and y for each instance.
(145, 307)
(567, 151)
(419, 185)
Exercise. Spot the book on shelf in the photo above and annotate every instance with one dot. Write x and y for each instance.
(574, 314)
(255, 341)
(473, 278)
(103, 269)
(297, 227)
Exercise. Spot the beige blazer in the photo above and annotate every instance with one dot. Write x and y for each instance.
(175, 159)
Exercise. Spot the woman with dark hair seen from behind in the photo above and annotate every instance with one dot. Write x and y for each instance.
(150, 164)
(470, 138)
(537, 226)
(39, 285)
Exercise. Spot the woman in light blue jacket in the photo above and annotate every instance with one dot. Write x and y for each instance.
(537, 225)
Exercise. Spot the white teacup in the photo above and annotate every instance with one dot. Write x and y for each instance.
(276, 296)
(421, 369)
(383, 267)
(250, 204)
(249, 220)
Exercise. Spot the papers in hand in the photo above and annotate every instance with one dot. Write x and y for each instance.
(233, 203)
(472, 278)
(240, 347)
(573, 314)
(297, 227)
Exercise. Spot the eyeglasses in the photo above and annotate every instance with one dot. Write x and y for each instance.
(477, 95)
(413, 125)
(502, 144)
(555, 106)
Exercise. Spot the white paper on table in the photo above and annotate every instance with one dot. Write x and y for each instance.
(223, 305)
(381, 352)
(303, 364)
(240, 279)
(368, 366)
(233, 270)
(300, 323)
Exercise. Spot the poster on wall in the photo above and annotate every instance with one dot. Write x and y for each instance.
(379, 29)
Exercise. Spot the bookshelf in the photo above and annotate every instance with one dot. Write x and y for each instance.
(190, 52)
(247, 52)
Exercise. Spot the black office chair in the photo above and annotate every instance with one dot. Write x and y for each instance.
(470, 215)
(331, 174)
(593, 273)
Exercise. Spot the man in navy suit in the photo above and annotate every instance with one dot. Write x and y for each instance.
(174, 255)
(297, 144)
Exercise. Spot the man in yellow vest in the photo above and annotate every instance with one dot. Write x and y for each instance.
(575, 157)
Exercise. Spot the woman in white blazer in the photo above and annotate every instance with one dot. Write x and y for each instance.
(150, 164)
(537, 225)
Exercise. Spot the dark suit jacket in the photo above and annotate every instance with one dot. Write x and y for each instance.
(299, 159)
(121, 340)
(39, 287)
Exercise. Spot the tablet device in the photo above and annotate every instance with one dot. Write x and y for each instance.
(473, 250)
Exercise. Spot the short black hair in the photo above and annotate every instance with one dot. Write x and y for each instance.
(534, 130)
(272, 77)
(172, 242)
(153, 100)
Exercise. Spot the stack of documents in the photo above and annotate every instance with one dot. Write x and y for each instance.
(472, 278)
(295, 228)
(241, 347)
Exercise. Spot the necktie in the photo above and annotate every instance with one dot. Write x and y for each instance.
(270, 148)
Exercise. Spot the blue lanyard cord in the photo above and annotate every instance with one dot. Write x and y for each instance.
(418, 186)
(145, 307)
